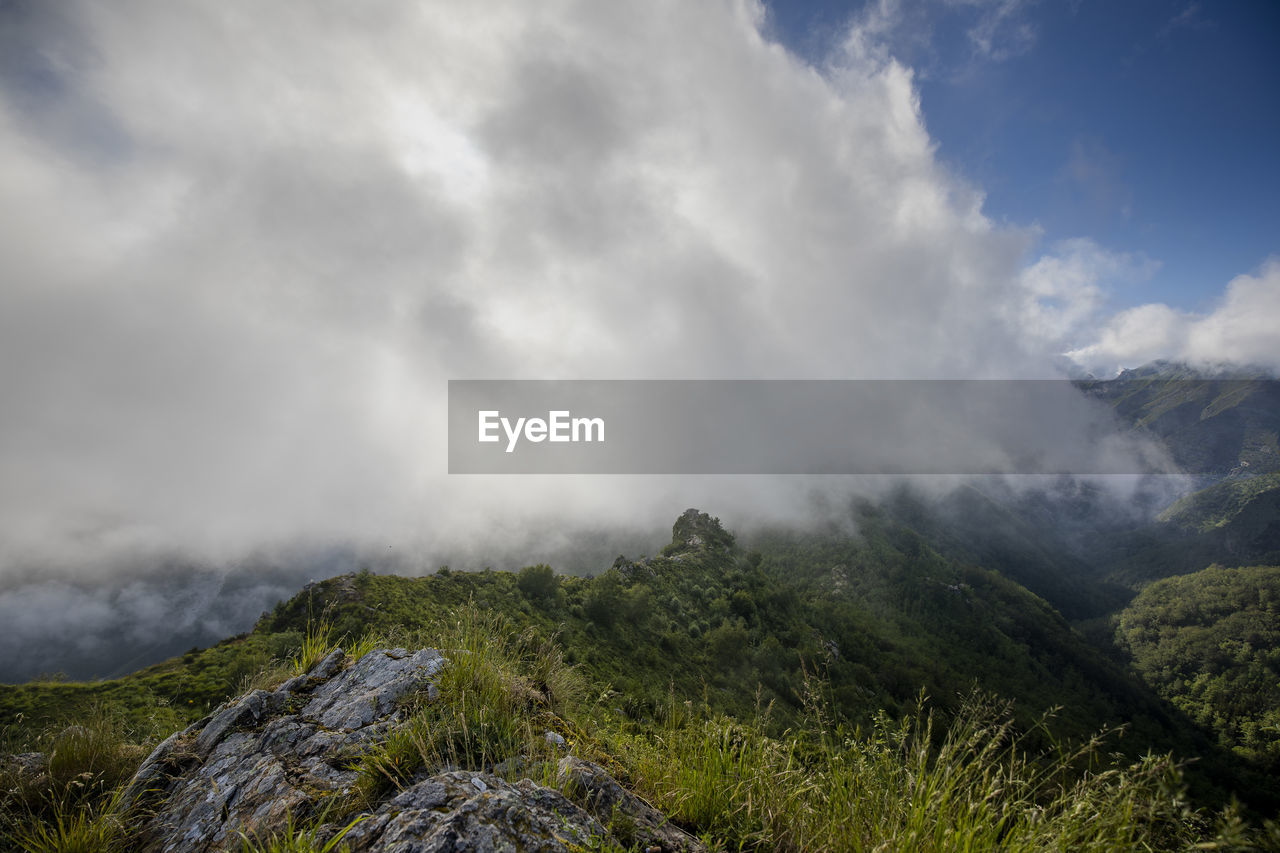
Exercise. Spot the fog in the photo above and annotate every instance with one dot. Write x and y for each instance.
(246, 246)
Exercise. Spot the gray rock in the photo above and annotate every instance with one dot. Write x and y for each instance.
(450, 811)
(155, 771)
(629, 816)
(252, 708)
(20, 764)
(369, 689)
(271, 757)
(253, 763)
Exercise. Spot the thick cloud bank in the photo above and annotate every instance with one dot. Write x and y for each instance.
(249, 245)
(246, 245)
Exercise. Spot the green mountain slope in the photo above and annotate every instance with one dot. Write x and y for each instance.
(869, 620)
(1210, 643)
(1215, 426)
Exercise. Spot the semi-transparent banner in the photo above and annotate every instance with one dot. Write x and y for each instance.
(804, 427)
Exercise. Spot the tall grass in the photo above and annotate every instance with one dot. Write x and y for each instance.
(72, 800)
(319, 641)
(905, 785)
(102, 826)
(84, 761)
(498, 695)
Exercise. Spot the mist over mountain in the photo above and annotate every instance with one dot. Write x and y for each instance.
(124, 618)
(245, 250)
(1080, 543)
(1137, 605)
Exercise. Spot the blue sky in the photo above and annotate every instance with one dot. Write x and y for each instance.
(1149, 126)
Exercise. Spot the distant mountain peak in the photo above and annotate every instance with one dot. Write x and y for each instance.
(1165, 369)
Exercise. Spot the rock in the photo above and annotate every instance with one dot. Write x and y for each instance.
(627, 814)
(270, 760)
(251, 709)
(695, 529)
(459, 810)
(23, 764)
(255, 762)
(369, 689)
(165, 760)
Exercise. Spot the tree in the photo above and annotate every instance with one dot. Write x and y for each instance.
(538, 582)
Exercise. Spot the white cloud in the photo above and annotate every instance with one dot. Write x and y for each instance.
(994, 30)
(1065, 291)
(1241, 329)
(1001, 30)
(246, 245)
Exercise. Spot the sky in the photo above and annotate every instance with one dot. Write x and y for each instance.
(246, 245)
(1144, 126)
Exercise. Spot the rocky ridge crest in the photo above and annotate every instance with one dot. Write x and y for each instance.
(271, 760)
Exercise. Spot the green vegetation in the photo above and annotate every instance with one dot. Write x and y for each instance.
(767, 698)
(1210, 643)
(1219, 505)
(92, 827)
(905, 785)
(155, 700)
(69, 798)
(498, 695)
(1221, 425)
(297, 839)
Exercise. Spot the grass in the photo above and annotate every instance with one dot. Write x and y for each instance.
(919, 783)
(298, 839)
(94, 827)
(498, 695)
(84, 761)
(911, 785)
(317, 643)
(72, 801)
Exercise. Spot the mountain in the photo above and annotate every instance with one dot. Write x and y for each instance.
(1220, 425)
(812, 644)
(814, 661)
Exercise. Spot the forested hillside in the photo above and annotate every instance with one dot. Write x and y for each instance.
(1210, 643)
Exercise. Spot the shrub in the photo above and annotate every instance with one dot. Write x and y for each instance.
(538, 583)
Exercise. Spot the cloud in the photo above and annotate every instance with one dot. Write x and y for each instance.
(1190, 18)
(250, 245)
(1065, 291)
(247, 245)
(1241, 330)
(942, 38)
(1001, 30)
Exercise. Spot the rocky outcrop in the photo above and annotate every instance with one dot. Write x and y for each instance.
(695, 529)
(460, 810)
(273, 759)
